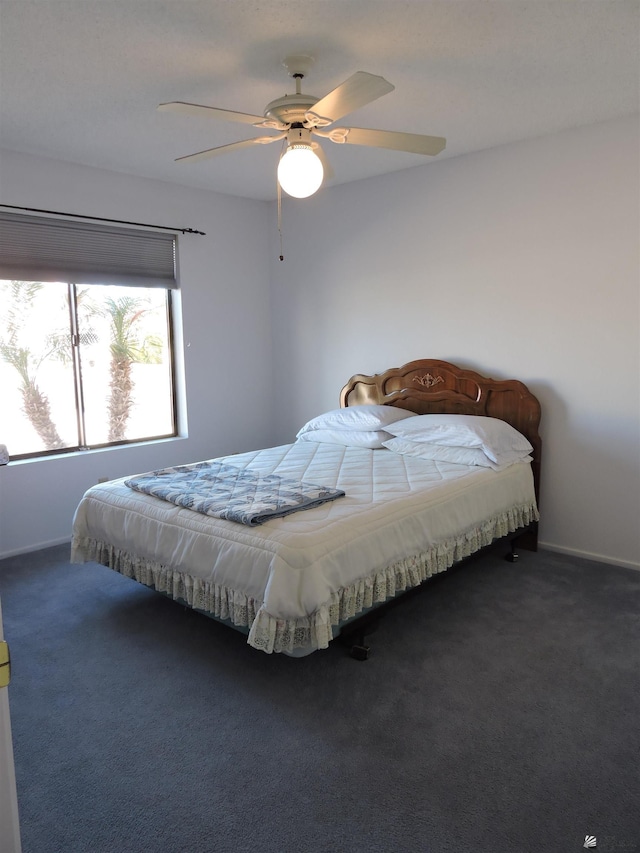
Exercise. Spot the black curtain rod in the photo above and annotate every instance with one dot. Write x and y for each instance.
(104, 219)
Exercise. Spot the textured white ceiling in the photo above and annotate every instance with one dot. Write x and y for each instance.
(80, 79)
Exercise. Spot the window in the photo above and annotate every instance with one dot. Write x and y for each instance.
(85, 335)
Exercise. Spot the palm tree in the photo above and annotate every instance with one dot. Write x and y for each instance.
(35, 404)
(125, 314)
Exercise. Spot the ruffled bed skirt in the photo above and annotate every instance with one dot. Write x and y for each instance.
(270, 634)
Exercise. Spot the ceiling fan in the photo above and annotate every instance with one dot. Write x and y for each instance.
(297, 118)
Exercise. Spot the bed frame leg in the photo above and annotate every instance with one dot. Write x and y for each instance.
(512, 555)
(354, 635)
(356, 639)
(359, 651)
(528, 540)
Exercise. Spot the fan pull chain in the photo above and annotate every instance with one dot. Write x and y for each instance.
(280, 218)
(279, 189)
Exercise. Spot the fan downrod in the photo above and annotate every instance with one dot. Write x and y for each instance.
(291, 109)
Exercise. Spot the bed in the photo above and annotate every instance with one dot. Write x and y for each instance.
(400, 512)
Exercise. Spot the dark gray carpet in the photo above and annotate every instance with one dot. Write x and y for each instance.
(498, 713)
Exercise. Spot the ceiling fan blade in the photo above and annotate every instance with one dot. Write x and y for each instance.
(225, 149)
(211, 112)
(360, 89)
(415, 143)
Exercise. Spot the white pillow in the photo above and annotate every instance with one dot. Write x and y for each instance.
(457, 455)
(372, 439)
(495, 437)
(366, 417)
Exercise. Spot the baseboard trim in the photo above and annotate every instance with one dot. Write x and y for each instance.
(28, 549)
(587, 555)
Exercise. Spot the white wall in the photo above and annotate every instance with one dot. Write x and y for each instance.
(520, 261)
(225, 308)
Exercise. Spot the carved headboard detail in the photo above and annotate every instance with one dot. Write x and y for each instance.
(429, 386)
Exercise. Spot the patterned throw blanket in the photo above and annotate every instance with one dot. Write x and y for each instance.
(235, 494)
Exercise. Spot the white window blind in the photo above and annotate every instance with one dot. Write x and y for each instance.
(36, 248)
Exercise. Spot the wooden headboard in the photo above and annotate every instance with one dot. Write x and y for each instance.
(429, 386)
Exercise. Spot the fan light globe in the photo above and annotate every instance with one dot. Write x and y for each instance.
(300, 171)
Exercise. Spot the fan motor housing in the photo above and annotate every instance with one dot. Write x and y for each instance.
(290, 109)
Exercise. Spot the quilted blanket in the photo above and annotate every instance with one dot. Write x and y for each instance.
(235, 494)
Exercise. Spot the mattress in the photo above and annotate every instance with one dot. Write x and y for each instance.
(292, 580)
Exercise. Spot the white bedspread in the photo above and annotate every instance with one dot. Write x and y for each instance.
(290, 580)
